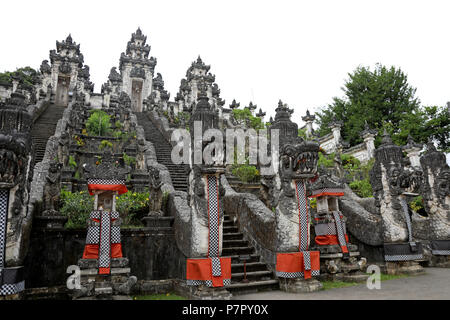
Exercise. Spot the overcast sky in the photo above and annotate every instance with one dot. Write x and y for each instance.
(297, 51)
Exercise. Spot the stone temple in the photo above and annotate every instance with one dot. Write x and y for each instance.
(92, 206)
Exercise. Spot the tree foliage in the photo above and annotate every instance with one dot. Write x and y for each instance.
(245, 117)
(98, 123)
(384, 98)
(25, 75)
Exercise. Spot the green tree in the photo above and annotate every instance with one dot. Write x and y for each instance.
(378, 97)
(245, 117)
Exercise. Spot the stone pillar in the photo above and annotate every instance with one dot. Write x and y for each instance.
(412, 150)
(336, 129)
(309, 119)
(369, 138)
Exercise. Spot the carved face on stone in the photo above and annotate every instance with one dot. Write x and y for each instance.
(299, 160)
(443, 183)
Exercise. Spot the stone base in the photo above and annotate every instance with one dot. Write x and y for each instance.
(104, 287)
(201, 292)
(439, 261)
(299, 285)
(357, 276)
(404, 267)
(49, 221)
(334, 267)
(156, 220)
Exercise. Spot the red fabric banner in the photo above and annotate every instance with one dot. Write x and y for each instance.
(201, 269)
(91, 251)
(121, 188)
(293, 262)
(338, 194)
(328, 240)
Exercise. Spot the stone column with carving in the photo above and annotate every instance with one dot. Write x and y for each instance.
(390, 184)
(15, 170)
(309, 119)
(207, 272)
(296, 264)
(435, 191)
(369, 139)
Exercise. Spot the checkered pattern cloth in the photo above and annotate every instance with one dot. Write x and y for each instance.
(106, 181)
(208, 283)
(4, 195)
(340, 231)
(104, 254)
(213, 214)
(14, 288)
(292, 275)
(303, 215)
(214, 210)
(407, 218)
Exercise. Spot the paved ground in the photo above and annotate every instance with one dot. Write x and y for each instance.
(433, 285)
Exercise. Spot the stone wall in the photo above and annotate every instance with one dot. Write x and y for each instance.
(152, 253)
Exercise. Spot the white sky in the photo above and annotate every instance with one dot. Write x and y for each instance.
(299, 51)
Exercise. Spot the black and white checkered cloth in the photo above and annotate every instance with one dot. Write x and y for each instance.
(106, 181)
(4, 195)
(14, 288)
(293, 275)
(407, 218)
(213, 213)
(340, 229)
(104, 254)
(303, 215)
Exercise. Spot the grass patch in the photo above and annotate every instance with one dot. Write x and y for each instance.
(385, 277)
(342, 284)
(337, 284)
(166, 296)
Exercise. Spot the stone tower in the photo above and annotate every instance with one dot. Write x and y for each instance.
(66, 74)
(198, 73)
(136, 70)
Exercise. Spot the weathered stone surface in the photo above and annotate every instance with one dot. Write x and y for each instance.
(300, 285)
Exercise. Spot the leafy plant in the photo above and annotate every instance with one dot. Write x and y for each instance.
(105, 144)
(76, 206)
(132, 206)
(245, 117)
(246, 173)
(362, 188)
(417, 204)
(98, 123)
(118, 125)
(72, 162)
(129, 161)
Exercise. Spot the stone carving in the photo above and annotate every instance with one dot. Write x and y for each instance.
(52, 189)
(297, 165)
(435, 190)
(156, 194)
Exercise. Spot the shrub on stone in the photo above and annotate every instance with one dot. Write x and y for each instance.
(98, 123)
(76, 206)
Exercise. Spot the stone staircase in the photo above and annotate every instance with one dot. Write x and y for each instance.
(178, 173)
(257, 272)
(43, 128)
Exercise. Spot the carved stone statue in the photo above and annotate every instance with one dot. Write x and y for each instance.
(156, 195)
(52, 189)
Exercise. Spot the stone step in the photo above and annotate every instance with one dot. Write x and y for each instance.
(228, 229)
(249, 267)
(251, 275)
(253, 258)
(235, 243)
(233, 236)
(253, 286)
(237, 251)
